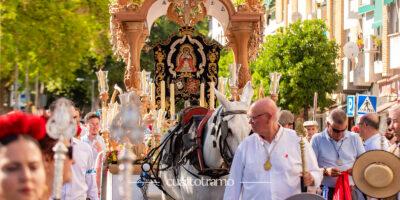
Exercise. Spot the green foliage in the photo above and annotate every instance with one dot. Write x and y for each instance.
(52, 38)
(237, 3)
(305, 58)
(226, 58)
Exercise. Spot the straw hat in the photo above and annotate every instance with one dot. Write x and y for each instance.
(304, 196)
(310, 123)
(377, 173)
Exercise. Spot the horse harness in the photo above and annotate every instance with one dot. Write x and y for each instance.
(176, 138)
(221, 132)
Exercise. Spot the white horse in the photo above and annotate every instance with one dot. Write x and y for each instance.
(225, 129)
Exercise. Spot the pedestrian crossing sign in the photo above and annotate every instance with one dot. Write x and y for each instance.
(366, 104)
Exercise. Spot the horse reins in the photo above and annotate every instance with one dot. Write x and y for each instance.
(225, 131)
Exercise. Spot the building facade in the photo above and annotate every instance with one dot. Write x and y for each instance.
(372, 25)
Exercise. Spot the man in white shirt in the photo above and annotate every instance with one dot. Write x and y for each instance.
(267, 164)
(92, 121)
(369, 132)
(83, 185)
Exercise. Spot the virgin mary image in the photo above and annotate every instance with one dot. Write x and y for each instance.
(186, 60)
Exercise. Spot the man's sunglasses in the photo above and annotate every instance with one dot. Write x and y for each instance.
(337, 130)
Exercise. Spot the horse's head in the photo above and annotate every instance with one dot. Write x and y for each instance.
(233, 123)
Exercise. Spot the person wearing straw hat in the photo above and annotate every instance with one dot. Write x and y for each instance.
(268, 164)
(377, 174)
(369, 132)
(311, 127)
(336, 150)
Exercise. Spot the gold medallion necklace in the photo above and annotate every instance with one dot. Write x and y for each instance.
(267, 164)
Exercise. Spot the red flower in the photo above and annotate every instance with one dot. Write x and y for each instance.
(16, 123)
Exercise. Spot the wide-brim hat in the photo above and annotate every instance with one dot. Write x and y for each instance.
(305, 196)
(377, 173)
(310, 123)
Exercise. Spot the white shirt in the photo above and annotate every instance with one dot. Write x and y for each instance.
(250, 179)
(83, 184)
(99, 139)
(375, 143)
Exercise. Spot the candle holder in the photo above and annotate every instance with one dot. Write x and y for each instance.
(102, 81)
(211, 104)
(126, 128)
(234, 70)
(103, 90)
(274, 86)
(222, 82)
(145, 105)
(172, 101)
(61, 126)
(145, 82)
(117, 91)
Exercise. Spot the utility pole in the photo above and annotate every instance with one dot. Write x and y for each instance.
(27, 90)
(16, 95)
(92, 93)
(37, 90)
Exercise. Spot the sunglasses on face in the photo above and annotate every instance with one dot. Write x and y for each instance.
(338, 130)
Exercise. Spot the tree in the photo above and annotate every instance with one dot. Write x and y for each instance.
(306, 59)
(51, 39)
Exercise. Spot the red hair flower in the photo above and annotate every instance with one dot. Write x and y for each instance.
(17, 123)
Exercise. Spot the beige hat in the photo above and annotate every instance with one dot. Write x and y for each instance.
(377, 173)
(305, 196)
(310, 123)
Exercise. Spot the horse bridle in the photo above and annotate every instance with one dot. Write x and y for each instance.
(225, 131)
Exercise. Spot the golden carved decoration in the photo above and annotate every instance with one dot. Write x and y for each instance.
(119, 42)
(128, 5)
(186, 12)
(255, 40)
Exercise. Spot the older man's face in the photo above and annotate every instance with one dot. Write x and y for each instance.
(394, 122)
(311, 130)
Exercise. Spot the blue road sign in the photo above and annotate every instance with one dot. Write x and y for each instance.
(366, 104)
(351, 105)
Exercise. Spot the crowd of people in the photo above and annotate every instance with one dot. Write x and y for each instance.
(27, 157)
(266, 165)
